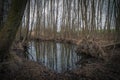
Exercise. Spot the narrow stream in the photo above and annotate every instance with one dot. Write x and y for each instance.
(56, 56)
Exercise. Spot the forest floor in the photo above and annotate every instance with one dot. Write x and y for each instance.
(92, 69)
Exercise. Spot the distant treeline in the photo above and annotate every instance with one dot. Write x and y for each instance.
(72, 19)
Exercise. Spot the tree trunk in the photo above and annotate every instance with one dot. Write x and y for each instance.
(7, 34)
(1, 13)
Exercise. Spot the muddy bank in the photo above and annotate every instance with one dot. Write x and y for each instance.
(103, 70)
(99, 62)
(74, 41)
(22, 69)
(60, 40)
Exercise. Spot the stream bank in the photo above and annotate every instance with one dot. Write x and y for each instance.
(97, 69)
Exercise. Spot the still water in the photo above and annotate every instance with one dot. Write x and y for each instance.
(59, 57)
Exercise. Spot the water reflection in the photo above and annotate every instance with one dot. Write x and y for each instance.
(57, 56)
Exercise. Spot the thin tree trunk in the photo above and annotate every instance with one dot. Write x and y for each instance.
(1, 13)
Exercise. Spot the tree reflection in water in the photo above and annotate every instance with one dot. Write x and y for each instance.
(56, 56)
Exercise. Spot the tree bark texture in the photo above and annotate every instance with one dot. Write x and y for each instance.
(8, 32)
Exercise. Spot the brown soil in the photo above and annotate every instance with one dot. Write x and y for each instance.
(104, 70)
